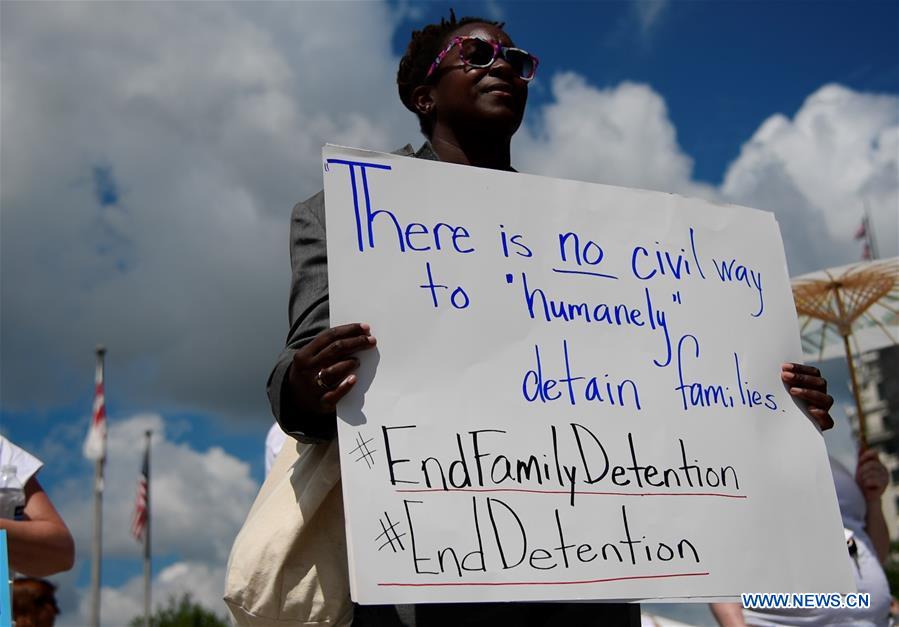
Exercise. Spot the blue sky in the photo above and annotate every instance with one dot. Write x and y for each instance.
(722, 67)
(152, 153)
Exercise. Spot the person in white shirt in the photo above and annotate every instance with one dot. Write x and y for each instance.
(868, 546)
(40, 544)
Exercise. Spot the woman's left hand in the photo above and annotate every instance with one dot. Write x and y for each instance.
(806, 382)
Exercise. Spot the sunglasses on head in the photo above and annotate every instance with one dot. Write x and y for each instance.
(480, 53)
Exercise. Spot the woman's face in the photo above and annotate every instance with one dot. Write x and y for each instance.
(493, 97)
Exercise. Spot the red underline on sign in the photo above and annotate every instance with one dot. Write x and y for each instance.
(584, 492)
(536, 583)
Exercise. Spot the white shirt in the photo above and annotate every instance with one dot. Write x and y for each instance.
(26, 464)
(274, 441)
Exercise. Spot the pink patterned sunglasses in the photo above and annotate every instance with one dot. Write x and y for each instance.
(480, 53)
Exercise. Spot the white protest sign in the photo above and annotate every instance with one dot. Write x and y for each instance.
(575, 393)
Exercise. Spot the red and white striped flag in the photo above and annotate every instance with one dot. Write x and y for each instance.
(141, 505)
(95, 442)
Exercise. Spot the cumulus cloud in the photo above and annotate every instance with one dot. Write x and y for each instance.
(151, 157)
(199, 500)
(816, 171)
(619, 135)
(820, 169)
(191, 491)
(118, 605)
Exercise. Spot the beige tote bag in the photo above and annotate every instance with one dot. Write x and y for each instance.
(288, 565)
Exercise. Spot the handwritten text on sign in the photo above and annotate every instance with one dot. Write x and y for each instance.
(575, 394)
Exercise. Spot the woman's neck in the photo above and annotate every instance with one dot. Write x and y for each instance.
(476, 149)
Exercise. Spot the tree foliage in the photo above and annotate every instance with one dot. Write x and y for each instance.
(183, 612)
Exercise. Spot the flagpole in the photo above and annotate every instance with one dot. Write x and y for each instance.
(98, 516)
(148, 568)
(869, 232)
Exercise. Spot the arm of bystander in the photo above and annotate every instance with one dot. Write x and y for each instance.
(40, 545)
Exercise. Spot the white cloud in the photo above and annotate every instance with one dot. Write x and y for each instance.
(815, 172)
(210, 119)
(199, 500)
(818, 171)
(620, 136)
(120, 604)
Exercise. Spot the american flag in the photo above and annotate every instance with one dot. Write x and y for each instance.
(95, 442)
(866, 234)
(141, 505)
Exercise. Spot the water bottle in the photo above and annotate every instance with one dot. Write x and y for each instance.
(12, 495)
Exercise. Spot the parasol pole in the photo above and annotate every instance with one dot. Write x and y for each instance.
(845, 331)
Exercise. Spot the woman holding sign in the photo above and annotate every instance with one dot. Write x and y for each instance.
(467, 83)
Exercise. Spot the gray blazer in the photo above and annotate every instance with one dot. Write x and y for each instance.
(308, 308)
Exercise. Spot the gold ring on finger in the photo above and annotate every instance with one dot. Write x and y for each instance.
(321, 382)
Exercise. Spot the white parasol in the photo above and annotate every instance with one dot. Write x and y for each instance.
(847, 311)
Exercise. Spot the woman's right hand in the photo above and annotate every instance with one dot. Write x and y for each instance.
(322, 371)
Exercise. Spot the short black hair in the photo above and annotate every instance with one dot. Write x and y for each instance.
(423, 48)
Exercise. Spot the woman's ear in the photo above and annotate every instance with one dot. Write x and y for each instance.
(423, 100)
